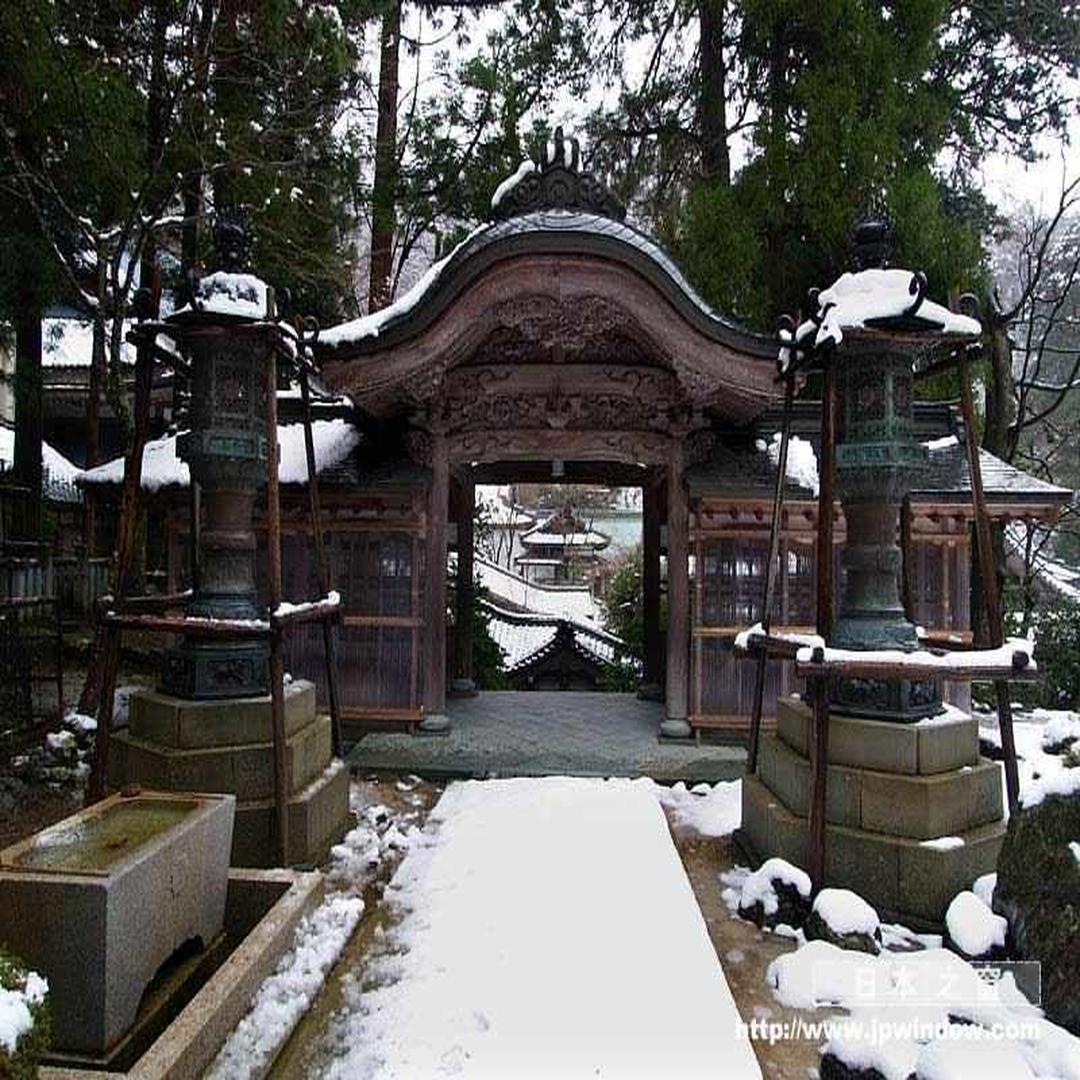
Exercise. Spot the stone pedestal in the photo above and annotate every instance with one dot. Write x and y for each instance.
(178, 744)
(894, 790)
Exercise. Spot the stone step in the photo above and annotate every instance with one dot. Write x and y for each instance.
(178, 722)
(318, 818)
(246, 770)
(919, 807)
(935, 745)
(903, 878)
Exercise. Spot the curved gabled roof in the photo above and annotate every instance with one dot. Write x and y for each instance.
(539, 232)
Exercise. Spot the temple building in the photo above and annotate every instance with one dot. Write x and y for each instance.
(560, 339)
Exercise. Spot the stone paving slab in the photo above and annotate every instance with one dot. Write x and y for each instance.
(538, 733)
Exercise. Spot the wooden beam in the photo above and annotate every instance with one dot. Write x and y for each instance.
(125, 560)
(650, 583)
(991, 594)
(678, 640)
(819, 770)
(826, 501)
(322, 570)
(435, 615)
(770, 577)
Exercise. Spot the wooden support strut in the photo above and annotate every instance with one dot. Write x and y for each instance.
(277, 663)
(321, 569)
(991, 593)
(770, 577)
(125, 553)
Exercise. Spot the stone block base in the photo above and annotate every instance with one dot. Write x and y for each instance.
(227, 746)
(894, 791)
(318, 818)
(247, 770)
(177, 722)
(902, 877)
(934, 745)
(919, 807)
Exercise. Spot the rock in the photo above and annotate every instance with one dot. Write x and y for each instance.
(832, 1068)
(776, 893)
(844, 919)
(1038, 892)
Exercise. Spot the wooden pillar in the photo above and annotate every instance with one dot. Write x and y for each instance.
(675, 725)
(465, 591)
(435, 721)
(650, 583)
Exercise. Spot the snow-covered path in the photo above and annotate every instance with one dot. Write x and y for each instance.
(547, 930)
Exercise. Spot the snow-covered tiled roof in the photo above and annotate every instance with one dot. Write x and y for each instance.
(334, 441)
(523, 637)
(59, 474)
(564, 601)
(69, 342)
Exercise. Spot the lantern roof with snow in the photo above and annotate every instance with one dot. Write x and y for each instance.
(876, 300)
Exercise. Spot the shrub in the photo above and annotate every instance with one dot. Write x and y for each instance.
(16, 982)
(1057, 652)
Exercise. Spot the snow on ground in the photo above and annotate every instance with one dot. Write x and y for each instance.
(546, 928)
(284, 997)
(902, 1005)
(1032, 732)
(711, 810)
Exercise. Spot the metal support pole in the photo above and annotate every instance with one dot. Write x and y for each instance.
(991, 593)
(277, 661)
(321, 569)
(770, 577)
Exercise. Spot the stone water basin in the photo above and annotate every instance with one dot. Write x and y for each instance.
(99, 901)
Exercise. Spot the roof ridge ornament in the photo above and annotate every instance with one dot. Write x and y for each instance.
(554, 180)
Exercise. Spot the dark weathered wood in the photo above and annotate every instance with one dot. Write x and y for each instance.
(326, 611)
(826, 500)
(322, 570)
(129, 605)
(770, 576)
(678, 638)
(191, 626)
(881, 669)
(465, 590)
(435, 630)
(650, 582)
(99, 774)
(819, 736)
(991, 593)
(277, 663)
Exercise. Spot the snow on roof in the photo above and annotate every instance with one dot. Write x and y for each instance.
(855, 299)
(526, 168)
(223, 293)
(69, 342)
(56, 466)
(499, 510)
(334, 441)
(567, 601)
(523, 636)
(369, 325)
(802, 467)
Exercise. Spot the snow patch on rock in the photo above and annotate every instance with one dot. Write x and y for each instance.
(845, 912)
(974, 928)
